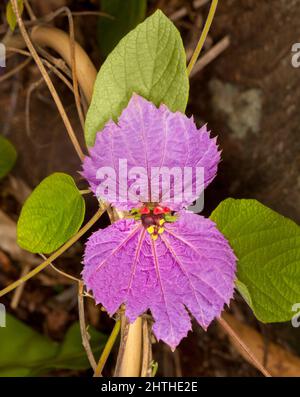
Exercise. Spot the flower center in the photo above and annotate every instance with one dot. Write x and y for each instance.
(153, 218)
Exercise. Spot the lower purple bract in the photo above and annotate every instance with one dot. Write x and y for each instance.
(191, 266)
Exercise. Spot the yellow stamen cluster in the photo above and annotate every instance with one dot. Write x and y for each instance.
(155, 230)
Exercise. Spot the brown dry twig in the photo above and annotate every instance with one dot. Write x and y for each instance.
(15, 70)
(54, 64)
(211, 55)
(66, 47)
(49, 17)
(242, 345)
(182, 12)
(123, 340)
(29, 10)
(18, 292)
(48, 81)
(280, 361)
(72, 44)
(31, 89)
(84, 334)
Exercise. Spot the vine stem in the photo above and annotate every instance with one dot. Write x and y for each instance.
(230, 331)
(48, 81)
(83, 329)
(83, 192)
(61, 272)
(107, 349)
(203, 35)
(55, 255)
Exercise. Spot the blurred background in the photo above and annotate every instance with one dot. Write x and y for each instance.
(247, 90)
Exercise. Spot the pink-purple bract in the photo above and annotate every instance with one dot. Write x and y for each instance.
(149, 137)
(189, 268)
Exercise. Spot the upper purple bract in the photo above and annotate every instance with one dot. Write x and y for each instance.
(146, 136)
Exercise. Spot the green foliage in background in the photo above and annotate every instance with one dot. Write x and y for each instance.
(268, 249)
(8, 156)
(25, 352)
(125, 16)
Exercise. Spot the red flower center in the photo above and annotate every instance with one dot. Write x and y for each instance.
(153, 218)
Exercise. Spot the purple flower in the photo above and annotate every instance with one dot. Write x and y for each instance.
(169, 263)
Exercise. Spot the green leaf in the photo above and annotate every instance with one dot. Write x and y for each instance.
(10, 15)
(25, 352)
(8, 156)
(22, 349)
(125, 16)
(268, 249)
(51, 215)
(71, 354)
(149, 61)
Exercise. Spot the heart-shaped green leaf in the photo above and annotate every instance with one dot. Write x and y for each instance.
(51, 215)
(150, 61)
(8, 156)
(268, 249)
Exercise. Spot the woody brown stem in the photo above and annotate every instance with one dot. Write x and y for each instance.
(131, 362)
